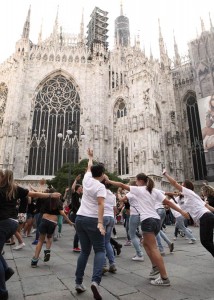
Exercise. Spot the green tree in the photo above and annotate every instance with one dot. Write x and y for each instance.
(60, 181)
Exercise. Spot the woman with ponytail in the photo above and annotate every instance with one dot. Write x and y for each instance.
(147, 197)
(9, 194)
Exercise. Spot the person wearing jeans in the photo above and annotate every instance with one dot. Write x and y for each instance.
(89, 226)
(162, 213)
(108, 224)
(134, 222)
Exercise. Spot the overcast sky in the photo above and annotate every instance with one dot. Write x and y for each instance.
(182, 16)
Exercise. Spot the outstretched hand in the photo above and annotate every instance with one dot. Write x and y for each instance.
(164, 171)
(90, 152)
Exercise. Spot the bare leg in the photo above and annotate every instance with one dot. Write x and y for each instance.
(39, 245)
(150, 245)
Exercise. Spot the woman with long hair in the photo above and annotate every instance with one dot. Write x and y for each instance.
(147, 197)
(9, 194)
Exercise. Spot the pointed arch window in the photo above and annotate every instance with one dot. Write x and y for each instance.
(57, 104)
(123, 165)
(198, 158)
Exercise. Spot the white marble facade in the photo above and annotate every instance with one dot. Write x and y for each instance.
(128, 106)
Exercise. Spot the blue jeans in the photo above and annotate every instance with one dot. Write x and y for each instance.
(162, 213)
(89, 236)
(180, 225)
(7, 228)
(72, 218)
(108, 223)
(134, 222)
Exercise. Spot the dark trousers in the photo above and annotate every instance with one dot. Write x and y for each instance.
(72, 217)
(206, 231)
(7, 228)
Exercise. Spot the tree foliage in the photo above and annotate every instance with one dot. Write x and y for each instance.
(60, 181)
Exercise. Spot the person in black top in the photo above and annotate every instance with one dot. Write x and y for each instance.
(51, 209)
(9, 194)
(74, 206)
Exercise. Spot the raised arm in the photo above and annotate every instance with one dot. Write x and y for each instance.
(75, 182)
(90, 159)
(175, 207)
(117, 183)
(172, 181)
(44, 195)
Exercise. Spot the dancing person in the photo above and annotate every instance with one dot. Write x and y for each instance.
(74, 206)
(196, 208)
(9, 194)
(89, 226)
(51, 210)
(147, 197)
(108, 224)
(134, 222)
(180, 226)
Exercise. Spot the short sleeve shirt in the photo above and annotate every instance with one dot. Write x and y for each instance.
(8, 207)
(92, 189)
(147, 201)
(193, 204)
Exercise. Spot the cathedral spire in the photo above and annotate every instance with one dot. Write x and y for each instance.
(211, 24)
(151, 55)
(81, 34)
(177, 56)
(161, 46)
(56, 24)
(40, 35)
(121, 8)
(202, 25)
(26, 28)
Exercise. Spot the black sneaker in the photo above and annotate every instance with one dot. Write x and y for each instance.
(8, 273)
(34, 262)
(47, 254)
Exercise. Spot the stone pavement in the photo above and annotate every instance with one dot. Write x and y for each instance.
(190, 269)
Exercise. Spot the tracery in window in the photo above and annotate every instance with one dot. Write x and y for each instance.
(57, 104)
(120, 108)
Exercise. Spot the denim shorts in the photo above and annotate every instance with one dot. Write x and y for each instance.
(47, 227)
(150, 225)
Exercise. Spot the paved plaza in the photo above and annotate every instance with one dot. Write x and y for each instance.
(190, 268)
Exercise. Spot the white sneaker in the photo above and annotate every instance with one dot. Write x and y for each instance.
(192, 242)
(175, 238)
(138, 258)
(19, 246)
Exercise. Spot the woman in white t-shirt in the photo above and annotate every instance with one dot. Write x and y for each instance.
(196, 207)
(108, 224)
(147, 197)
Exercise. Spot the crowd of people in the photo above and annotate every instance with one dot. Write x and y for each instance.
(92, 209)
